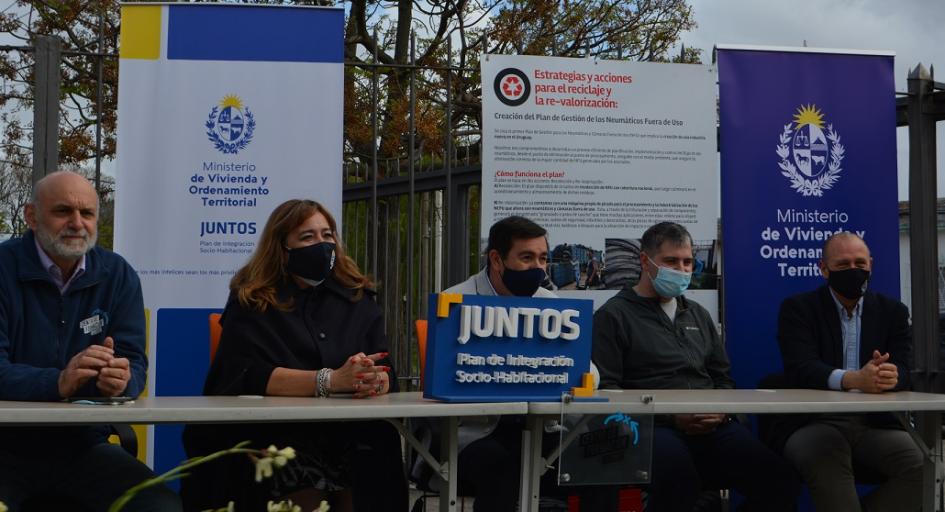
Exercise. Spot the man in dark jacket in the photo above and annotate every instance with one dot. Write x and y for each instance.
(843, 337)
(71, 325)
(651, 337)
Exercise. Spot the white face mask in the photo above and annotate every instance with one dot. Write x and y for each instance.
(670, 283)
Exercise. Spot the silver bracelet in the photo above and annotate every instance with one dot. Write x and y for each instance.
(323, 383)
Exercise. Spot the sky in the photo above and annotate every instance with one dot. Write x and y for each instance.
(913, 29)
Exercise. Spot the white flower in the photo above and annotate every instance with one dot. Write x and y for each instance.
(283, 456)
(3, 506)
(323, 507)
(283, 506)
(263, 468)
(272, 457)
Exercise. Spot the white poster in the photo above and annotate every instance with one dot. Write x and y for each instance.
(596, 152)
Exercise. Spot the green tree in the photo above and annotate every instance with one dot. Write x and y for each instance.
(15, 187)
(78, 24)
(645, 30)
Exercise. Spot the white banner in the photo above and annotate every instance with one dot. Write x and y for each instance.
(596, 152)
(224, 112)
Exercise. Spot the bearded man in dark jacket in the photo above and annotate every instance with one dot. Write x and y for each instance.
(71, 325)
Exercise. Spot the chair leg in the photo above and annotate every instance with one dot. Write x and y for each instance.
(420, 505)
(126, 437)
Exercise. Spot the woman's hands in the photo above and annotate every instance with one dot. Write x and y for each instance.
(360, 375)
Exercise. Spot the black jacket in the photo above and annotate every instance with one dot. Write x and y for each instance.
(636, 346)
(811, 343)
(41, 330)
(324, 327)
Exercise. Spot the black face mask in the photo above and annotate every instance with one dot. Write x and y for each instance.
(851, 283)
(312, 263)
(523, 283)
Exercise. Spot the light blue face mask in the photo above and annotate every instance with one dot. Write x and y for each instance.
(670, 283)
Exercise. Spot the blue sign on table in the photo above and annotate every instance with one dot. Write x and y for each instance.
(507, 349)
(808, 148)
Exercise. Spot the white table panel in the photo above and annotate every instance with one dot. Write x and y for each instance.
(230, 409)
(233, 409)
(736, 401)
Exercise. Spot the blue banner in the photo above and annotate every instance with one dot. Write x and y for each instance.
(808, 148)
(506, 349)
(255, 33)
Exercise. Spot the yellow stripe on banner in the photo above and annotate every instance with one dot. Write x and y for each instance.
(141, 431)
(140, 32)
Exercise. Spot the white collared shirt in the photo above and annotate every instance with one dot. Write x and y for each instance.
(850, 334)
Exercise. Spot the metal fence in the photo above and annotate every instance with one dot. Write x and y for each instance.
(411, 216)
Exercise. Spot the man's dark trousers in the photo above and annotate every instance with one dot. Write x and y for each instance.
(92, 478)
(729, 457)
